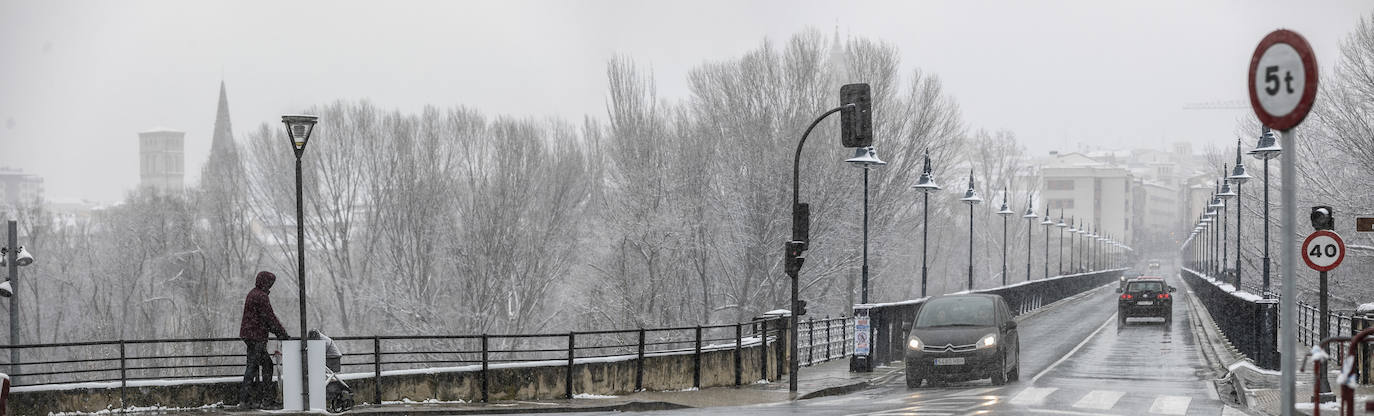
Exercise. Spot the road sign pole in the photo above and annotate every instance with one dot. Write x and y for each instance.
(1288, 218)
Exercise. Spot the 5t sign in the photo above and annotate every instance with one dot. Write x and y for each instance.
(1283, 79)
(1323, 250)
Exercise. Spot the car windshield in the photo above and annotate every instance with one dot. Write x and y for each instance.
(1146, 287)
(956, 311)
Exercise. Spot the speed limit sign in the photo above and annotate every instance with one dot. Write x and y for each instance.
(1323, 250)
(1283, 79)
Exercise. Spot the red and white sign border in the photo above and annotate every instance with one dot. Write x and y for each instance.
(1309, 67)
(1339, 243)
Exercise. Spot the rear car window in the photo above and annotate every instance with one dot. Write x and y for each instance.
(974, 311)
(1145, 287)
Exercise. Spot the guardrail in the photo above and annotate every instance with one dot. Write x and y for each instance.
(143, 363)
(1248, 321)
(891, 322)
(1245, 335)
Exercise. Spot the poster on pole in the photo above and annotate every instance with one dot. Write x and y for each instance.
(862, 335)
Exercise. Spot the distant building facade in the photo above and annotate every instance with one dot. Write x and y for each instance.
(1092, 192)
(18, 188)
(161, 157)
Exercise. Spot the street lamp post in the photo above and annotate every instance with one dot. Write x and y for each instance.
(1266, 149)
(1238, 177)
(1030, 224)
(926, 185)
(14, 256)
(298, 129)
(1226, 194)
(1047, 222)
(1215, 213)
(1085, 254)
(1061, 225)
(1093, 249)
(971, 198)
(865, 158)
(1005, 213)
(1073, 235)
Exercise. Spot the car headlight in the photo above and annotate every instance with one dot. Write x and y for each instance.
(988, 341)
(914, 343)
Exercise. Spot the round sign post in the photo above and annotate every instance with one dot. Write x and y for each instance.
(1283, 87)
(1323, 250)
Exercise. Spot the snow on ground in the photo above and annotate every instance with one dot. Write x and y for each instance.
(425, 401)
(592, 396)
(133, 409)
(1329, 406)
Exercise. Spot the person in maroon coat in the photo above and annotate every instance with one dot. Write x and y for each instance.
(258, 321)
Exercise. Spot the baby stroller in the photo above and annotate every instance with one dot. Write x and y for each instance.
(338, 397)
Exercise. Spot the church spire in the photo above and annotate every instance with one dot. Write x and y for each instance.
(223, 139)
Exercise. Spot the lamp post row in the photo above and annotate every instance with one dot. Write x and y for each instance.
(866, 158)
(1212, 253)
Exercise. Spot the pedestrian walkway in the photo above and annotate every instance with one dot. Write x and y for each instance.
(823, 379)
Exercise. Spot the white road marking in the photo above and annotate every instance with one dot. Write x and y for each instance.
(1074, 350)
(1099, 399)
(976, 392)
(1032, 396)
(1170, 405)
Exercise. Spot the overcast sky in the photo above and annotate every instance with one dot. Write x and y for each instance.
(78, 80)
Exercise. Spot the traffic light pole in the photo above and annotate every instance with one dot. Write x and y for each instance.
(795, 272)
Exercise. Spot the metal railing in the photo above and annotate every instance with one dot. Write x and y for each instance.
(1244, 317)
(824, 340)
(1249, 322)
(136, 363)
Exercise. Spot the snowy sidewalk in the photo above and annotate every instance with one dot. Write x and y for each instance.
(823, 379)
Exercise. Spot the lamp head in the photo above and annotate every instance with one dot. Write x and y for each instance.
(971, 196)
(1267, 147)
(926, 183)
(298, 129)
(23, 258)
(865, 157)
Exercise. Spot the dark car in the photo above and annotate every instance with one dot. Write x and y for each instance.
(1145, 297)
(963, 337)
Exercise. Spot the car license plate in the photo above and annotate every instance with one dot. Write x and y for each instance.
(1145, 303)
(950, 361)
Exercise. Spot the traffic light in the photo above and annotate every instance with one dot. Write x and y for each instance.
(1322, 219)
(801, 307)
(794, 251)
(801, 224)
(856, 116)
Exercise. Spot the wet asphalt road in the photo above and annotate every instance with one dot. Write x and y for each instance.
(1076, 360)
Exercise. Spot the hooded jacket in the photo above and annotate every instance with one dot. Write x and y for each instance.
(258, 318)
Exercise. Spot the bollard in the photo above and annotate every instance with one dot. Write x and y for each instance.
(568, 381)
(123, 376)
(639, 363)
(377, 369)
(485, 375)
(696, 361)
(739, 353)
(763, 349)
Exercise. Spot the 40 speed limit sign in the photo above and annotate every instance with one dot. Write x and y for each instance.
(1323, 250)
